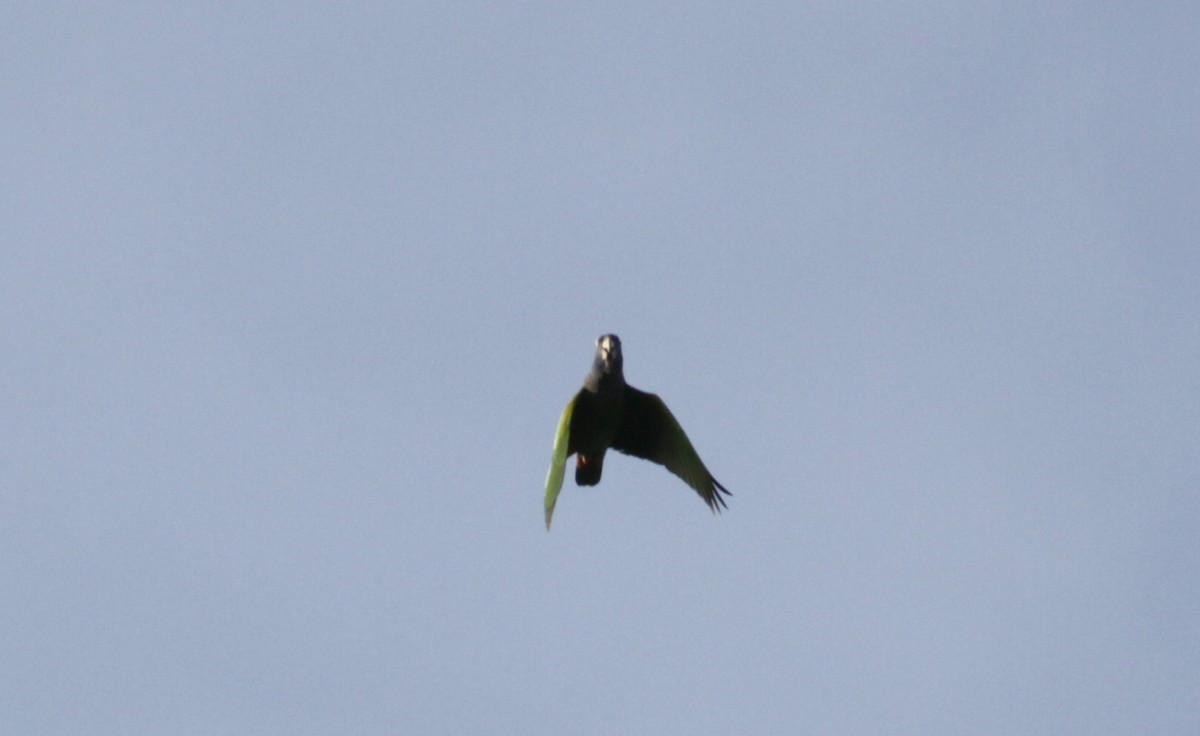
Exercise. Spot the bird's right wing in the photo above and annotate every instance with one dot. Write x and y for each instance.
(558, 459)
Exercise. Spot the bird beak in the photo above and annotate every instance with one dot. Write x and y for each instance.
(606, 349)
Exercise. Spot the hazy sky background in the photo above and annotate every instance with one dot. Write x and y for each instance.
(293, 294)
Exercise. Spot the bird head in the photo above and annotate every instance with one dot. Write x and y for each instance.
(608, 355)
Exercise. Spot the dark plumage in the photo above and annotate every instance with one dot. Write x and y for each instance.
(607, 412)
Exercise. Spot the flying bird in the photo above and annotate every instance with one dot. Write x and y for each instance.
(607, 412)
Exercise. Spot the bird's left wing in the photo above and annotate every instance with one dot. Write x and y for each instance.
(558, 459)
(648, 430)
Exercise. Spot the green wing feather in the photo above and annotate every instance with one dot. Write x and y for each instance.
(558, 460)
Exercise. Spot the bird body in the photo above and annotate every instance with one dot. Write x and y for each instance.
(597, 411)
(606, 413)
(594, 423)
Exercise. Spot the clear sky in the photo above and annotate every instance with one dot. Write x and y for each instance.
(293, 294)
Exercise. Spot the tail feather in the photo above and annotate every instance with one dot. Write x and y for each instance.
(588, 469)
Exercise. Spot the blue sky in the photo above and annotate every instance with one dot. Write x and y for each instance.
(293, 295)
